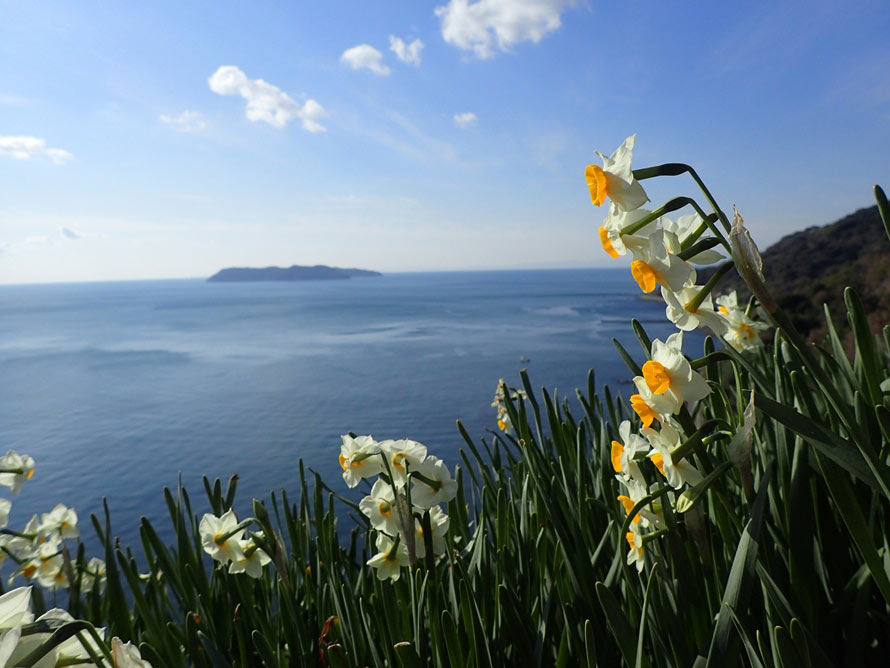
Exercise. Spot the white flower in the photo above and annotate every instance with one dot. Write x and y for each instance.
(742, 331)
(15, 608)
(635, 555)
(95, 571)
(614, 241)
(381, 508)
(359, 458)
(389, 561)
(68, 652)
(15, 469)
(679, 310)
(623, 452)
(676, 232)
(60, 520)
(615, 179)
(663, 442)
(433, 485)
(403, 456)
(217, 537)
(127, 655)
(669, 371)
(439, 522)
(251, 561)
(650, 406)
(655, 265)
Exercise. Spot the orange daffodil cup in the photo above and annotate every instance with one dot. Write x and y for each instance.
(664, 251)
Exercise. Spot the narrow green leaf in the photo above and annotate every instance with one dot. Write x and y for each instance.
(883, 208)
(622, 631)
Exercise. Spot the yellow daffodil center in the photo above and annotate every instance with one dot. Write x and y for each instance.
(30, 474)
(746, 331)
(617, 451)
(596, 181)
(385, 508)
(644, 275)
(658, 460)
(219, 538)
(656, 377)
(63, 526)
(630, 539)
(344, 462)
(502, 425)
(397, 460)
(641, 408)
(723, 310)
(606, 241)
(628, 504)
(29, 570)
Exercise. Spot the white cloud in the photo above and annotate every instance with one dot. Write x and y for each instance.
(187, 121)
(407, 53)
(481, 25)
(266, 102)
(364, 56)
(68, 232)
(465, 120)
(25, 148)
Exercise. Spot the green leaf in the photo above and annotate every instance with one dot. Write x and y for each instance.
(621, 629)
(722, 652)
(865, 345)
(839, 450)
(883, 208)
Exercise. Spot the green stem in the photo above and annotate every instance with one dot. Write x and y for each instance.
(675, 169)
(696, 302)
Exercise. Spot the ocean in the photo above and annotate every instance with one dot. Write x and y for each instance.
(117, 389)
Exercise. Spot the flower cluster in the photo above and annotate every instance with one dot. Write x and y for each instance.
(17, 642)
(224, 540)
(504, 423)
(37, 550)
(663, 251)
(404, 499)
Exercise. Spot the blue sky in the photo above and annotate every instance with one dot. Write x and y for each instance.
(126, 152)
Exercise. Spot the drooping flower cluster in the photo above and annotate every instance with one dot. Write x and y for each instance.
(223, 538)
(657, 244)
(664, 252)
(37, 550)
(410, 487)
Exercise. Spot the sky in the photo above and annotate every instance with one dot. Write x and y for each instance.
(172, 139)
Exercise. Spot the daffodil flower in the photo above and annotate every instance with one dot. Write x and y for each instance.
(742, 332)
(663, 443)
(359, 458)
(390, 558)
(93, 574)
(15, 469)
(623, 452)
(613, 238)
(669, 371)
(635, 556)
(251, 561)
(678, 231)
(60, 520)
(686, 317)
(403, 456)
(650, 406)
(432, 484)
(221, 536)
(126, 655)
(654, 265)
(615, 179)
(439, 522)
(380, 507)
(15, 608)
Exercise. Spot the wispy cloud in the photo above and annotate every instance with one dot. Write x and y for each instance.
(407, 53)
(26, 148)
(187, 121)
(266, 102)
(466, 120)
(486, 25)
(364, 57)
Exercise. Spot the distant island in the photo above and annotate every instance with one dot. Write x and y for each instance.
(319, 272)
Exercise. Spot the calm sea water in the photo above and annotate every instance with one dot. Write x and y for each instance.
(118, 388)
